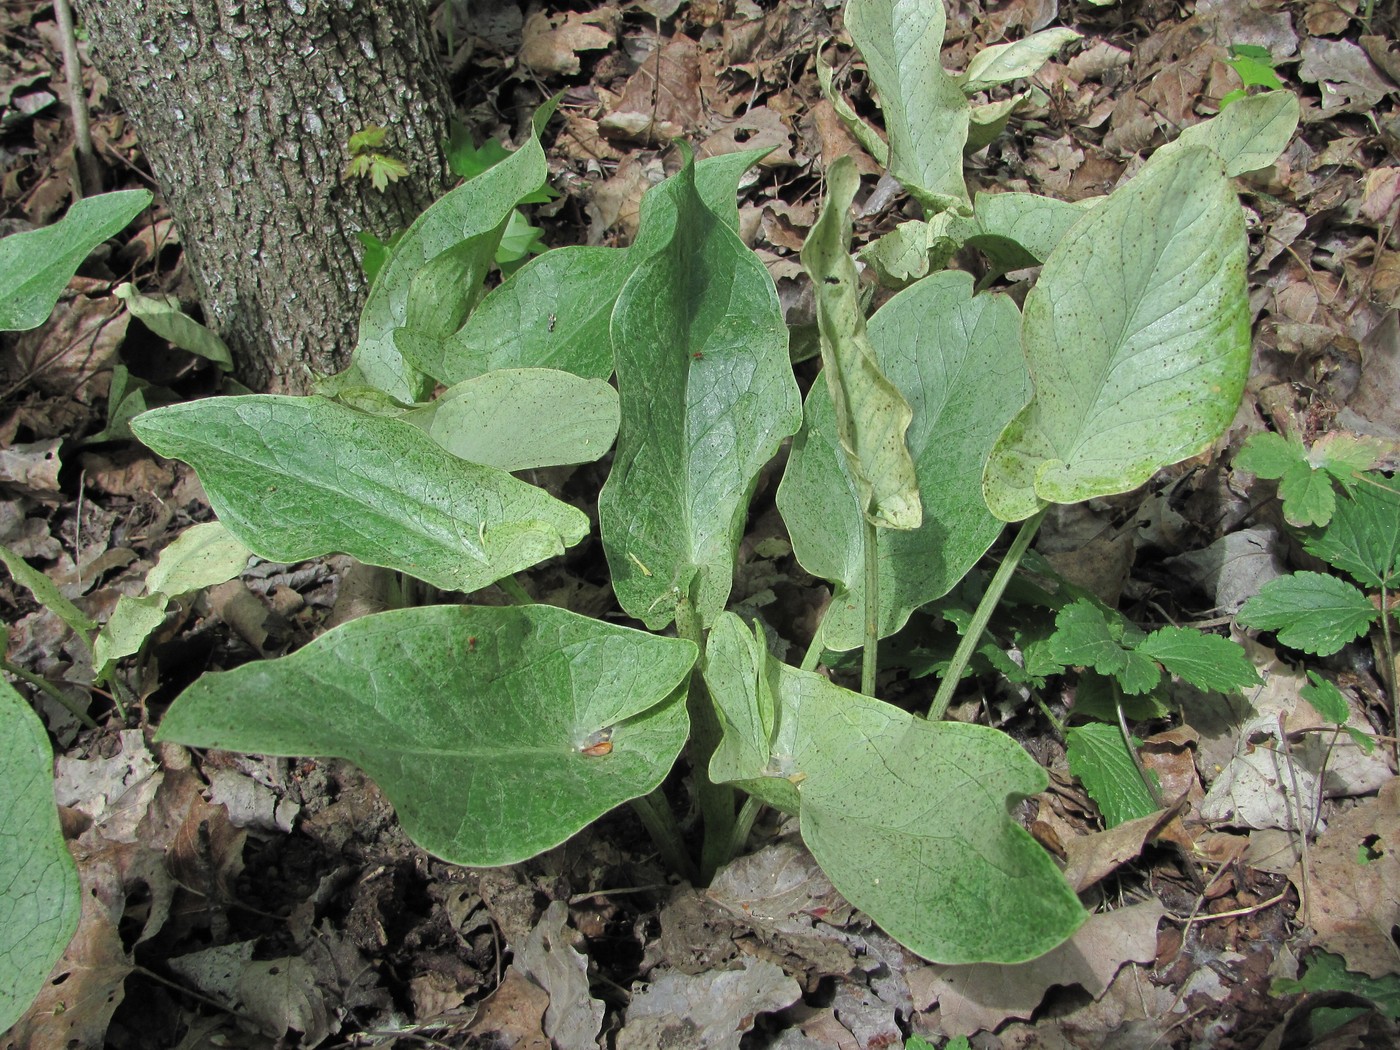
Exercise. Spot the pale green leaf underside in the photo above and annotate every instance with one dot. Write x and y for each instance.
(1137, 337)
(295, 478)
(523, 418)
(872, 416)
(707, 394)
(925, 111)
(957, 360)
(910, 818)
(39, 893)
(163, 316)
(36, 266)
(1247, 135)
(1003, 63)
(1099, 757)
(202, 556)
(472, 720)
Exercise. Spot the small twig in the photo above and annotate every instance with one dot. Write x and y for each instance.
(1303, 832)
(579, 898)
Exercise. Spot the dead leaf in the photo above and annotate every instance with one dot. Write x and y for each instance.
(514, 1014)
(551, 46)
(72, 355)
(1348, 79)
(574, 1017)
(114, 792)
(759, 128)
(710, 1011)
(1089, 858)
(1353, 884)
(666, 97)
(983, 995)
(32, 468)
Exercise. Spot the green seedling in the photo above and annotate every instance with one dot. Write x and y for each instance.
(368, 162)
(1255, 65)
(1318, 613)
(1328, 973)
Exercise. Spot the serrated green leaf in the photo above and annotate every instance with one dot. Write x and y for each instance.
(368, 137)
(1003, 63)
(554, 312)
(925, 111)
(472, 212)
(163, 316)
(1345, 455)
(872, 416)
(46, 593)
(39, 892)
(1310, 611)
(1326, 698)
(127, 629)
(295, 478)
(910, 818)
(1207, 661)
(957, 360)
(1099, 757)
(1328, 973)
(1085, 638)
(1306, 493)
(204, 555)
(36, 266)
(472, 720)
(1137, 337)
(707, 394)
(1269, 455)
(1100, 698)
(523, 418)
(1363, 538)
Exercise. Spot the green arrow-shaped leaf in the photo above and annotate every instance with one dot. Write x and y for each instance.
(926, 113)
(467, 222)
(481, 725)
(35, 267)
(295, 478)
(872, 416)
(39, 896)
(1137, 336)
(707, 394)
(909, 818)
(957, 360)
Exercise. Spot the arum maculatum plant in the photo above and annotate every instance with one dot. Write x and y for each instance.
(500, 731)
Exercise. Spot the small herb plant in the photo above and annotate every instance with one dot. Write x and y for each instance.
(1348, 518)
(499, 731)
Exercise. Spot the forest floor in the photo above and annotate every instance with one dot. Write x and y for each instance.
(258, 902)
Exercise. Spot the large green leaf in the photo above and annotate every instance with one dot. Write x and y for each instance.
(707, 394)
(452, 236)
(39, 894)
(36, 266)
(926, 113)
(163, 316)
(1137, 337)
(957, 360)
(295, 478)
(555, 312)
(522, 418)
(872, 416)
(481, 725)
(909, 818)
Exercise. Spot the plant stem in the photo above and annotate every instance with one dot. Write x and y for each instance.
(748, 813)
(52, 691)
(870, 542)
(660, 822)
(716, 800)
(514, 591)
(985, 608)
(1390, 677)
(89, 173)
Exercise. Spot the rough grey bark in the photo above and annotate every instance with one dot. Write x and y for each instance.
(244, 110)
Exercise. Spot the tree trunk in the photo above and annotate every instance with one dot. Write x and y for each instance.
(244, 110)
